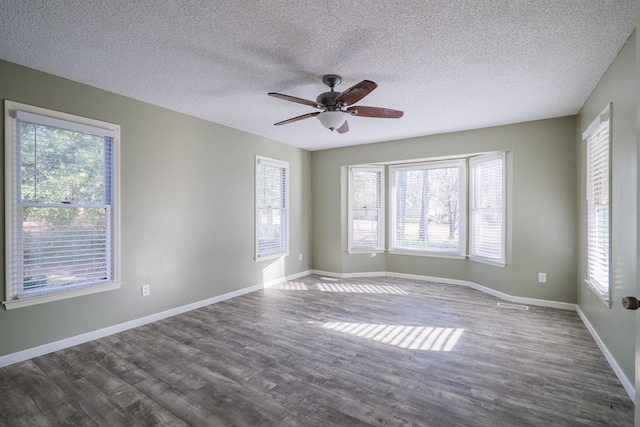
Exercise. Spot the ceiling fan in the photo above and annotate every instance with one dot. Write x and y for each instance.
(337, 106)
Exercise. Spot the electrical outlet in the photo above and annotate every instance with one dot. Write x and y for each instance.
(542, 277)
(145, 290)
(300, 257)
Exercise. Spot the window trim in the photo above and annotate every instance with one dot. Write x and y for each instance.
(381, 211)
(462, 164)
(605, 295)
(476, 159)
(11, 295)
(284, 165)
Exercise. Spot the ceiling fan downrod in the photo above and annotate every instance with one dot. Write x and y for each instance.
(328, 99)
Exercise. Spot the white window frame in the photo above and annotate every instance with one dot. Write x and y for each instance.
(379, 209)
(461, 164)
(473, 161)
(14, 295)
(266, 161)
(600, 285)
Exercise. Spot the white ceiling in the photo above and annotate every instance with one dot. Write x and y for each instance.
(450, 65)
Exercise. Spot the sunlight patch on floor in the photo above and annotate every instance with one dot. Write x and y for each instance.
(360, 289)
(290, 286)
(402, 336)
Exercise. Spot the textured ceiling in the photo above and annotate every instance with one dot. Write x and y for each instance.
(450, 65)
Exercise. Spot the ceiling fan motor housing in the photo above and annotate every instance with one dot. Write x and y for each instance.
(328, 99)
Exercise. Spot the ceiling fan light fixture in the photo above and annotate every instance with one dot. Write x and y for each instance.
(332, 119)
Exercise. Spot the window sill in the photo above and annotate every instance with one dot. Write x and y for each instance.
(501, 264)
(601, 295)
(427, 254)
(272, 256)
(60, 295)
(365, 251)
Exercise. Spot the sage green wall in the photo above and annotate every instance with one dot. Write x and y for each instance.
(541, 188)
(614, 325)
(187, 210)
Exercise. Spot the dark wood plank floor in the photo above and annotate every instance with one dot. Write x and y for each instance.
(316, 352)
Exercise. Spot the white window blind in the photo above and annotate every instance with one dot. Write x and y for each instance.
(598, 181)
(427, 207)
(272, 229)
(487, 208)
(366, 208)
(61, 217)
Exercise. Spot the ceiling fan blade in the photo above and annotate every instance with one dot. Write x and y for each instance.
(344, 128)
(385, 113)
(356, 92)
(295, 99)
(295, 119)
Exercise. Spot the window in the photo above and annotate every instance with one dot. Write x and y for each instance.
(487, 208)
(366, 208)
(427, 208)
(62, 213)
(598, 181)
(272, 208)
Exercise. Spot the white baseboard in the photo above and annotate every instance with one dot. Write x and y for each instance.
(326, 273)
(350, 275)
(493, 292)
(41, 350)
(481, 288)
(626, 383)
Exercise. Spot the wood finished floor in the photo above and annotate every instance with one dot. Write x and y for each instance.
(313, 352)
